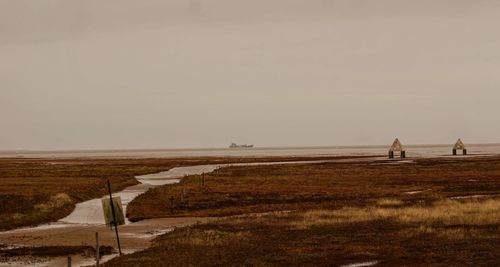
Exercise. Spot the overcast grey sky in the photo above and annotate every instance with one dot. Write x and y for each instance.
(203, 73)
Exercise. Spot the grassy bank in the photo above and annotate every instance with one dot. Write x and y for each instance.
(35, 191)
(331, 214)
(240, 190)
(444, 233)
(33, 255)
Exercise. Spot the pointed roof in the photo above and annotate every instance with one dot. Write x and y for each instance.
(459, 145)
(397, 146)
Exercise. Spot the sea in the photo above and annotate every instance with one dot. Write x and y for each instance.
(411, 151)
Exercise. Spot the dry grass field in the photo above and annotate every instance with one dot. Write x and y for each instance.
(331, 214)
(35, 191)
(34, 255)
(425, 212)
(447, 233)
(240, 190)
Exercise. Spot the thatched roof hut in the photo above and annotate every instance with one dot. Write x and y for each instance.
(459, 146)
(397, 147)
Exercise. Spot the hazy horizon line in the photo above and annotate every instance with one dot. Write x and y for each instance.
(12, 151)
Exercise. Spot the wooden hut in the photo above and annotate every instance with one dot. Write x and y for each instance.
(459, 146)
(397, 147)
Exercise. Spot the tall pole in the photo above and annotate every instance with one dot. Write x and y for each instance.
(114, 218)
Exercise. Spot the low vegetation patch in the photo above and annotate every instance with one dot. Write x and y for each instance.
(389, 202)
(35, 191)
(442, 213)
(33, 255)
(330, 214)
(330, 186)
(445, 233)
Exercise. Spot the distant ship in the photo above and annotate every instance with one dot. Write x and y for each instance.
(234, 145)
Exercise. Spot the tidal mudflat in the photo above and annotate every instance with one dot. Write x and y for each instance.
(332, 211)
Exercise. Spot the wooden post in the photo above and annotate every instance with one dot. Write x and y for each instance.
(172, 205)
(97, 251)
(465, 152)
(391, 154)
(69, 261)
(454, 152)
(114, 219)
(403, 154)
(202, 180)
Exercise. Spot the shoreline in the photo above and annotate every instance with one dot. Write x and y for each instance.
(419, 150)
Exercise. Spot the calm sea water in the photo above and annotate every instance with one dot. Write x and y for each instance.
(412, 151)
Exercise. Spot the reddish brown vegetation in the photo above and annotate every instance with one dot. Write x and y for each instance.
(396, 215)
(34, 191)
(239, 190)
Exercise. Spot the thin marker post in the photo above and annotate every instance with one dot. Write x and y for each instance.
(114, 218)
(97, 250)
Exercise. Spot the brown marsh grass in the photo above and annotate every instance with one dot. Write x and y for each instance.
(443, 213)
(249, 189)
(35, 191)
(445, 233)
(389, 202)
(332, 214)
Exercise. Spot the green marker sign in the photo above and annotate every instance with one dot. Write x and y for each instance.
(108, 211)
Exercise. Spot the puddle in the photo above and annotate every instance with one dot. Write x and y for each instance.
(148, 234)
(475, 196)
(395, 162)
(91, 261)
(361, 264)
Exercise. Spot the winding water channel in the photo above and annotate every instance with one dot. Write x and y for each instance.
(90, 212)
(87, 218)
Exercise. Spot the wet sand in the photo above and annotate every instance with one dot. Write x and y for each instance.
(133, 237)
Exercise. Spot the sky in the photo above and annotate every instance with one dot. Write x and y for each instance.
(127, 74)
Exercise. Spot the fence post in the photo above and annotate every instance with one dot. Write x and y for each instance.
(69, 261)
(172, 205)
(97, 251)
(114, 218)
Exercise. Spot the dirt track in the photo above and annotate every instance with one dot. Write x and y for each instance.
(133, 237)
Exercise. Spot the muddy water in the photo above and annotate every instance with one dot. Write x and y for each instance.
(90, 212)
(87, 218)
